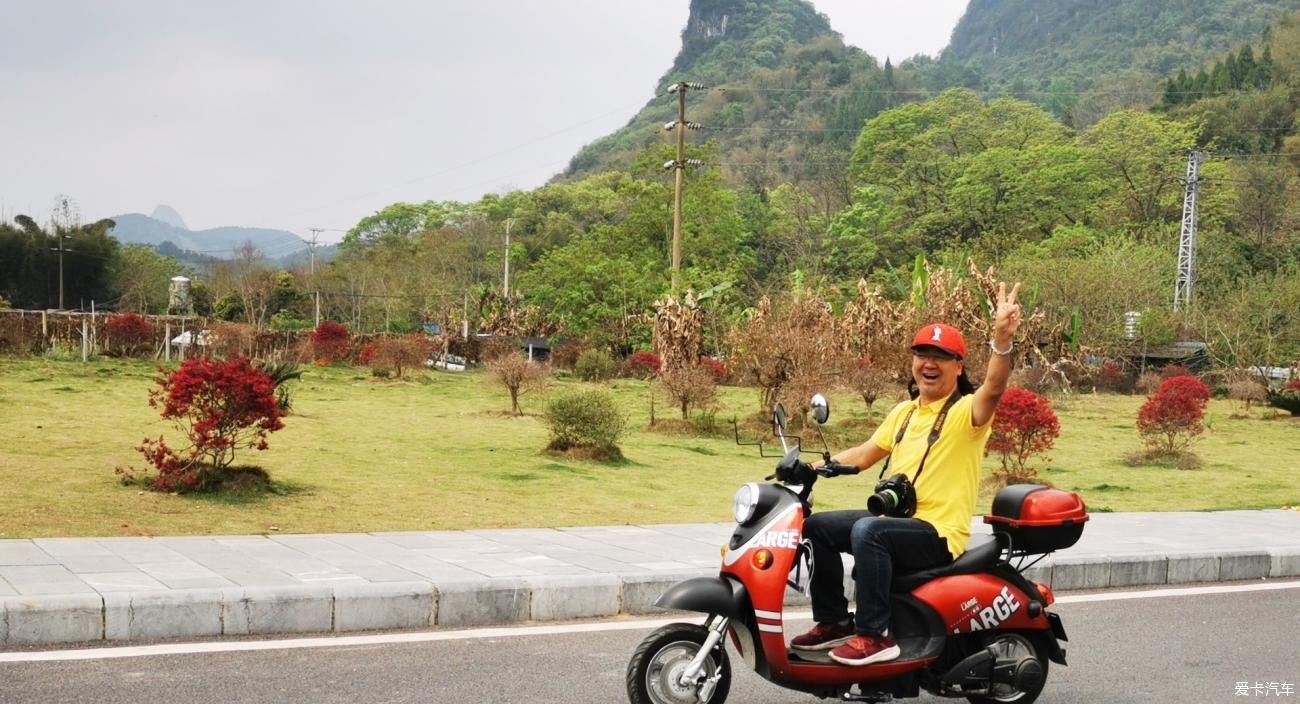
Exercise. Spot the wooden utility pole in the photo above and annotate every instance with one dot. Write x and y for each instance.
(505, 279)
(679, 165)
(315, 233)
(60, 250)
(679, 178)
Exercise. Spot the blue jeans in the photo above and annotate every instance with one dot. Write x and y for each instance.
(878, 545)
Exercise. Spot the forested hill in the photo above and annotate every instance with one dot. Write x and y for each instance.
(1091, 44)
(786, 97)
(783, 92)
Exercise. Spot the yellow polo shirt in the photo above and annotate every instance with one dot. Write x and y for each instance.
(949, 485)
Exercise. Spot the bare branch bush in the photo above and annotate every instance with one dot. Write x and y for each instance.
(518, 376)
(688, 387)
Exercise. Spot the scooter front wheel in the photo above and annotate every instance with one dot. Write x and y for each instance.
(654, 673)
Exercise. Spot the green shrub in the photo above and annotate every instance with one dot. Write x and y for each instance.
(61, 351)
(286, 321)
(595, 365)
(586, 420)
(1287, 399)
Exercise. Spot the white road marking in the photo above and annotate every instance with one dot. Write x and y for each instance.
(520, 631)
(1184, 591)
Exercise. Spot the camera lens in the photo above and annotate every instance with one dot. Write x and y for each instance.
(882, 503)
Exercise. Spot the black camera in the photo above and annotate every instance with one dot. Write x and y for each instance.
(894, 497)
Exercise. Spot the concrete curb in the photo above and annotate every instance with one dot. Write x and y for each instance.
(358, 606)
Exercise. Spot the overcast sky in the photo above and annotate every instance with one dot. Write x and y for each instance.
(314, 113)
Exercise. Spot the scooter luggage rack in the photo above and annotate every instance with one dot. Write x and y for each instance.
(1020, 555)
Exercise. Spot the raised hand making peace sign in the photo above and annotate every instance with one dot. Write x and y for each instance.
(1006, 314)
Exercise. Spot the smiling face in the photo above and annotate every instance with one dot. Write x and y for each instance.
(935, 371)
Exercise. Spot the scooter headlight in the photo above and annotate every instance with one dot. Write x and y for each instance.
(744, 503)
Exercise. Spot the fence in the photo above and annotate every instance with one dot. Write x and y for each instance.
(28, 332)
(36, 332)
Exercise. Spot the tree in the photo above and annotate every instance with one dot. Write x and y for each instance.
(795, 233)
(329, 342)
(869, 382)
(792, 341)
(1024, 426)
(687, 386)
(243, 287)
(141, 276)
(518, 375)
(1172, 417)
(396, 353)
(954, 169)
(401, 221)
(1264, 215)
(29, 261)
(1254, 323)
(1138, 155)
(1104, 277)
(128, 333)
(594, 283)
(221, 407)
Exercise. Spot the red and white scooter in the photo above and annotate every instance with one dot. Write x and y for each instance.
(975, 628)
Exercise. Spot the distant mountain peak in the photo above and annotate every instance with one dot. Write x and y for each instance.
(168, 214)
(745, 46)
(712, 23)
(219, 242)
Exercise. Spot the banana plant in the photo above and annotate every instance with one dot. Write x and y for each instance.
(920, 282)
(280, 372)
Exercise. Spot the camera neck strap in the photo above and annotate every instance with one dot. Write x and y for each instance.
(934, 433)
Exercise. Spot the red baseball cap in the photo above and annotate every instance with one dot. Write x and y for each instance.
(945, 337)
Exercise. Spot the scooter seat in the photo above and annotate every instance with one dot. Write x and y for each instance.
(981, 553)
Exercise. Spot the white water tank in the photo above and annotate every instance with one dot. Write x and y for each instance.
(178, 300)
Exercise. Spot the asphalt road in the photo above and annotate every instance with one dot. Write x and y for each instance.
(1180, 649)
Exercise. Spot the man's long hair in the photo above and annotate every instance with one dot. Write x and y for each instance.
(964, 386)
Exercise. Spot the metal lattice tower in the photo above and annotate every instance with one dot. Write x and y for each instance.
(1187, 238)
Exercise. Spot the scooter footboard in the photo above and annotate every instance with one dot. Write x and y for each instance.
(710, 595)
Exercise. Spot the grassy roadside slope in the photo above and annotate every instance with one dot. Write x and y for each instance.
(437, 452)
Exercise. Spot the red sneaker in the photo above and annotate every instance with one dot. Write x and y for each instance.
(823, 636)
(864, 650)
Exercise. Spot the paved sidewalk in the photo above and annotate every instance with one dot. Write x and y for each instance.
(121, 589)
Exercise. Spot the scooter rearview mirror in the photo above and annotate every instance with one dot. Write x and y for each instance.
(778, 419)
(821, 409)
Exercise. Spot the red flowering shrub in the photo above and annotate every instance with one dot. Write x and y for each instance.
(716, 367)
(128, 333)
(643, 365)
(221, 406)
(1172, 416)
(1186, 386)
(367, 354)
(1113, 377)
(1023, 426)
(1293, 385)
(329, 342)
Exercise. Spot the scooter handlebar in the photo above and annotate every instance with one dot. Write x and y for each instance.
(835, 469)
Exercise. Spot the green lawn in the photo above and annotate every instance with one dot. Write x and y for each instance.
(437, 452)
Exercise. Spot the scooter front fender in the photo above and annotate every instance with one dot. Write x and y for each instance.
(710, 595)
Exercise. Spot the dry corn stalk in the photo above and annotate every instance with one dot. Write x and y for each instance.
(678, 331)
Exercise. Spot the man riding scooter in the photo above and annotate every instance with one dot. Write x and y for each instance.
(920, 516)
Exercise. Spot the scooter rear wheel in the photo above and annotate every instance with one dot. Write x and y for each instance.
(1014, 645)
(657, 664)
